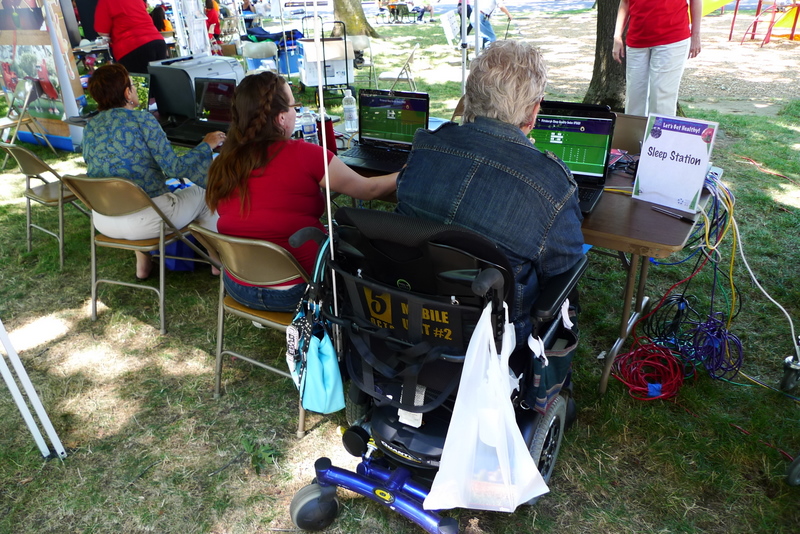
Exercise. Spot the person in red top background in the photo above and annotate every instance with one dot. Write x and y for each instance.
(265, 185)
(134, 39)
(659, 39)
(212, 19)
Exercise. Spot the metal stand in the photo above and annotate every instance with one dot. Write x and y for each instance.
(33, 398)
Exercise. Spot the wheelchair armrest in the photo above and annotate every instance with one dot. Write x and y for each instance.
(556, 290)
(309, 233)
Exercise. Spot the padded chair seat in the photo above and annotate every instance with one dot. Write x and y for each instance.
(137, 244)
(277, 319)
(47, 194)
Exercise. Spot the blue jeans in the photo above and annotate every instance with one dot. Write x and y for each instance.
(486, 29)
(264, 298)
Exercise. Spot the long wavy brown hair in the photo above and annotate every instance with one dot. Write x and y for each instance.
(257, 102)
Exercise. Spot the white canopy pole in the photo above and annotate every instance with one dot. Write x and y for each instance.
(464, 52)
(476, 26)
(33, 398)
(285, 44)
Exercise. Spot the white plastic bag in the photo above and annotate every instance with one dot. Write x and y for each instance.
(485, 464)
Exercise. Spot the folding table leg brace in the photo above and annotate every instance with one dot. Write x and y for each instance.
(33, 398)
(631, 312)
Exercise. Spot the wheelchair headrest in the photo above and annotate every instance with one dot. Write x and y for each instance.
(417, 255)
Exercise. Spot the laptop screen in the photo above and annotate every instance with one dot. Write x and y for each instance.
(213, 98)
(579, 137)
(391, 116)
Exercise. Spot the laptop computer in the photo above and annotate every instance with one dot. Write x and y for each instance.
(210, 112)
(387, 121)
(580, 135)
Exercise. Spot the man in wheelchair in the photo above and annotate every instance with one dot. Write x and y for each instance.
(492, 221)
(486, 175)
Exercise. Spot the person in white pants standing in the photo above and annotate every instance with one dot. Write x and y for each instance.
(659, 39)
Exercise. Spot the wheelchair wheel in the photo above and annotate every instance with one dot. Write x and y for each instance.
(793, 473)
(309, 512)
(547, 439)
(355, 410)
(790, 378)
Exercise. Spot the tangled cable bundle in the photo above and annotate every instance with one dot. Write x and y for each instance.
(720, 350)
(665, 325)
(651, 372)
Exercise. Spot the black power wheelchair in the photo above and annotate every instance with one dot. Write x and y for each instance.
(410, 293)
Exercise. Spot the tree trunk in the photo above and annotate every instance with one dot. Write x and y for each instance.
(352, 14)
(608, 78)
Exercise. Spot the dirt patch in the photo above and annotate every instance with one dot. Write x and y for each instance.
(726, 76)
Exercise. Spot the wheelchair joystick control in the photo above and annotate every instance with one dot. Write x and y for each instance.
(355, 440)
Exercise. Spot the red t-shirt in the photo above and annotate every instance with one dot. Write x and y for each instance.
(212, 21)
(284, 197)
(128, 24)
(656, 23)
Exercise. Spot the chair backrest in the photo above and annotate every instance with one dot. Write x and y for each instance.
(253, 261)
(417, 255)
(111, 197)
(405, 73)
(29, 163)
(263, 49)
(360, 42)
(19, 100)
(407, 306)
(407, 65)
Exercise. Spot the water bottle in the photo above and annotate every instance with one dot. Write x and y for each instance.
(350, 112)
(308, 126)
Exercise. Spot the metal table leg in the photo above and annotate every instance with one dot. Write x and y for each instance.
(628, 319)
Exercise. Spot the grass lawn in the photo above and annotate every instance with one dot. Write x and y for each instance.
(150, 450)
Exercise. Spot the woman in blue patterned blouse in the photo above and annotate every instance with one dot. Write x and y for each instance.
(129, 143)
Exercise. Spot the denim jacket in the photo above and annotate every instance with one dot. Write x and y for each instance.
(488, 176)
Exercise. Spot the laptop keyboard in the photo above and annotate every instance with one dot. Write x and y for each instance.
(586, 194)
(389, 156)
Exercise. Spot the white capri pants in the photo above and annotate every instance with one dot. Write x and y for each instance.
(181, 207)
(653, 78)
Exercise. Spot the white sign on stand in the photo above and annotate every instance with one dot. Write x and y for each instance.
(674, 161)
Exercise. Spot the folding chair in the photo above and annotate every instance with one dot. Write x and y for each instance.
(49, 193)
(113, 197)
(255, 53)
(401, 13)
(256, 262)
(362, 46)
(18, 116)
(404, 74)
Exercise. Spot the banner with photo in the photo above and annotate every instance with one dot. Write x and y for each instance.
(38, 57)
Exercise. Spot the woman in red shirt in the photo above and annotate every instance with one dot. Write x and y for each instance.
(658, 41)
(129, 29)
(212, 20)
(265, 185)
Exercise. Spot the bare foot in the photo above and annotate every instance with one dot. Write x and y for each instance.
(144, 265)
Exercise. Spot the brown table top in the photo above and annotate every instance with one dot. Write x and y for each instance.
(620, 222)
